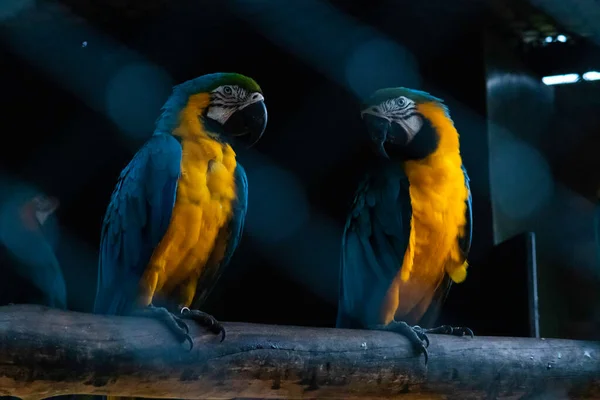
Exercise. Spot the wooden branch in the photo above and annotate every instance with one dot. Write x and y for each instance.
(46, 352)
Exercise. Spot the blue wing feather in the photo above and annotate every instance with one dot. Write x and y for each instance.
(465, 241)
(373, 245)
(236, 226)
(136, 219)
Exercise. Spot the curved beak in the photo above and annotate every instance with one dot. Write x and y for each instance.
(250, 120)
(378, 128)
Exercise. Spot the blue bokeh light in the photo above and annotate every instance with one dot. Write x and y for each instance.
(379, 63)
(11, 8)
(522, 178)
(134, 96)
(277, 204)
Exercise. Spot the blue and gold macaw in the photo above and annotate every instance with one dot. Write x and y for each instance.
(409, 231)
(177, 213)
(30, 271)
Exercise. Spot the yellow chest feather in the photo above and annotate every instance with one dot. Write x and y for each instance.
(205, 194)
(207, 179)
(203, 205)
(438, 195)
(438, 198)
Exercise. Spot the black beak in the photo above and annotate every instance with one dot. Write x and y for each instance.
(378, 130)
(250, 121)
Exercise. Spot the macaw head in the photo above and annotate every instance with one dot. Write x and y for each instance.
(44, 206)
(222, 105)
(405, 123)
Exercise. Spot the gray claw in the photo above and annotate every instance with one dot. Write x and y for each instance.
(205, 320)
(415, 334)
(450, 330)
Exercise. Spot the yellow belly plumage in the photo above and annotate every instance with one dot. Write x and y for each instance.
(205, 194)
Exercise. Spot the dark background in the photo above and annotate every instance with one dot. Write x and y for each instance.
(82, 83)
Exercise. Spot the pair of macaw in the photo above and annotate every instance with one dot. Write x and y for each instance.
(178, 209)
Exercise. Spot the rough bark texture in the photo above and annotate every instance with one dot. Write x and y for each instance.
(46, 352)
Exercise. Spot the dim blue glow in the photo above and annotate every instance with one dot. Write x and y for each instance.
(277, 204)
(591, 76)
(380, 63)
(521, 177)
(134, 97)
(560, 79)
(10, 8)
(561, 38)
(548, 39)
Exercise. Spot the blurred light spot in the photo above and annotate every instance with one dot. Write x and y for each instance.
(548, 39)
(522, 178)
(591, 76)
(582, 253)
(10, 8)
(134, 97)
(84, 44)
(380, 63)
(277, 204)
(536, 104)
(561, 38)
(560, 79)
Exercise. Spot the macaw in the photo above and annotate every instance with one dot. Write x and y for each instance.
(177, 212)
(31, 273)
(30, 270)
(409, 231)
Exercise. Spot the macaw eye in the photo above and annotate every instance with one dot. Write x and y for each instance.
(401, 101)
(227, 90)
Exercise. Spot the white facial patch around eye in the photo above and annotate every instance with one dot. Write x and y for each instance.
(412, 125)
(388, 106)
(220, 114)
(225, 100)
(403, 102)
(397, 104)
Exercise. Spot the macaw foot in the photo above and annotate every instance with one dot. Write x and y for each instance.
(174, 323)
(415, 334)
(205, 320)
(450, 330)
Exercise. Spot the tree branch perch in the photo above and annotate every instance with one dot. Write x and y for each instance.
(46, 352)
